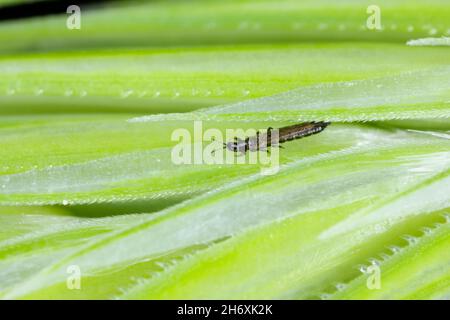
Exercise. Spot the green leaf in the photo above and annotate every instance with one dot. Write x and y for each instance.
(263, 236)
(122, 161)
(151, 23)
(417, 271)
(184, 79)
(87, 180)
(413, 95)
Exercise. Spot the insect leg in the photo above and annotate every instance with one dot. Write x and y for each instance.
(247, 143)
(214, 151)
(269, 136)
(269, 139)
(257, 140)
(224, 145)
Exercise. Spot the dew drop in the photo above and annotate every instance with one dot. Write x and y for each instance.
(394, 249)
(162, 265)
(324, 296)
(65, 202)
(384, 256)
(437, 225)
(126, 93)
(363, 269)
(379, 228)
(374, 262)
(341, 286)
(410, 239)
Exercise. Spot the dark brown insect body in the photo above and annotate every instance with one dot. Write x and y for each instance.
(262, 141)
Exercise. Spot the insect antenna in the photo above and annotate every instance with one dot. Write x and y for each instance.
(214, 151)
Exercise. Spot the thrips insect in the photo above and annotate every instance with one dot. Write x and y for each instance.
(262, 141)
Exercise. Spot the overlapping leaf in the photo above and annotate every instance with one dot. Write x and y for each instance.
(352, 199)
(325, 211)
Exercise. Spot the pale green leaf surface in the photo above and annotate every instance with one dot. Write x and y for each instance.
(118, 160)
(14, 2)
(412, 95)
(95, 160)
(353, 196)
(183, 79)
(194, 249)
(443, 41)
(156, 23)
(418, 271)
(303, 255)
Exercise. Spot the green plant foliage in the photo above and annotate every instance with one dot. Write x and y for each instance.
(165, 23)
(87, 181)
(168, 80)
